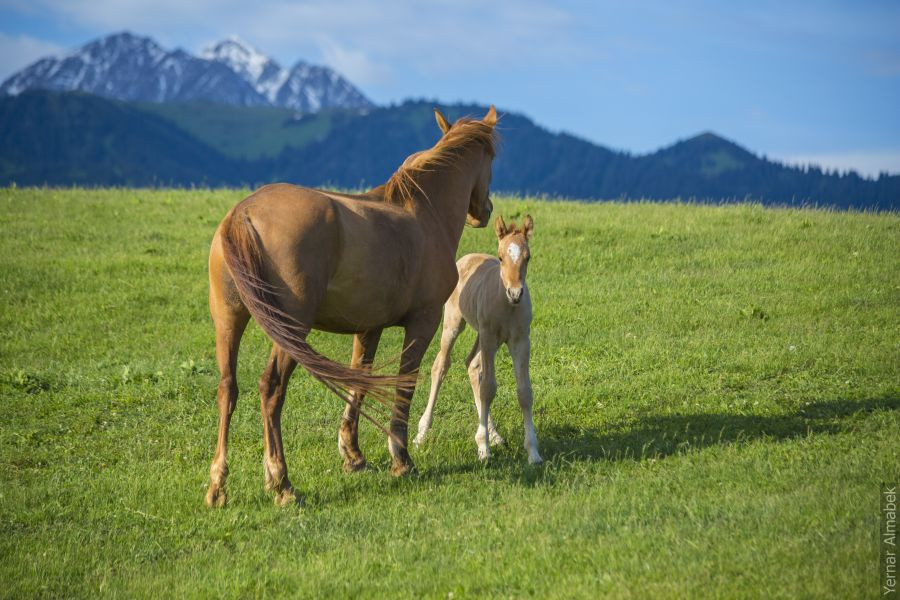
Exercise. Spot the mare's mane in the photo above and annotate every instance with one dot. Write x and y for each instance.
(400, 187)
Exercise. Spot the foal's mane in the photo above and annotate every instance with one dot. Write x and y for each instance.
(400, 187)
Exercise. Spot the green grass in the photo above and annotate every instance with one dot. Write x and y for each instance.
(717, 401)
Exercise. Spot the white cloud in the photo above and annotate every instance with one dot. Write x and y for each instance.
(353, 64)
(865, 163)
(19, 51)
(365, 39)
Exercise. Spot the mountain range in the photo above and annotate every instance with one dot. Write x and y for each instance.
(123, 111)
(125, 66)
(81, 139)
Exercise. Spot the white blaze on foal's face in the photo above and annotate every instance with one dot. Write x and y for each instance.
(514, 253)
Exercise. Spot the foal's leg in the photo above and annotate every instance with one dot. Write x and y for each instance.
(473, 364)
(420, 328)
(364, 348)
(484, 384)
(230, 323)
(520, 349)
(494, 437)
(272, 388)
(453, 326)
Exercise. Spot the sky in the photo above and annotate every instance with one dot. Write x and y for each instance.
(802, 82)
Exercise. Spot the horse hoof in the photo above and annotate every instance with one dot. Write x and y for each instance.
(287, 497)
(271, 481)
(402, 469)
(215, 497)
(354, 465)
(535, 460)
(484, 454)
(496, 439)
(420, 437)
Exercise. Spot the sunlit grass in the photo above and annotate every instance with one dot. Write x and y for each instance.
(716, 398)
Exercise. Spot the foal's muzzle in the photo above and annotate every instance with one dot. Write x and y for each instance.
(514, 295)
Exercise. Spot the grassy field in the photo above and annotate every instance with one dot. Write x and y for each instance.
(717, 394)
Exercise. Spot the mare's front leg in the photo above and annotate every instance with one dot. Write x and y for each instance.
(364, 347)
(484, 386)
(520, 349)
(272, 389)
(419, 329)
(453, 326)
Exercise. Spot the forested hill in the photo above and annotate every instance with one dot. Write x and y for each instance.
(73, 138)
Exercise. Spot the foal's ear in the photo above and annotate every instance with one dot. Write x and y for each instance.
(441, 120)
(490, 118)
(500, 228)
(528, 227)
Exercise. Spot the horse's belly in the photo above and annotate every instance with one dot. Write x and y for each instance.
(375, 281)
(353, 319)
(357, 308)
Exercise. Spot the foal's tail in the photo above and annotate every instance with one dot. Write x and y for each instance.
(244, 258)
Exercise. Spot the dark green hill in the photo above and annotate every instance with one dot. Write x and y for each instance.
(240, 133)
(79, 139)
(358, 150)
(715, 168)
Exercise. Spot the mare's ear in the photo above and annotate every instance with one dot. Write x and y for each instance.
(528, 227)
(500, 228)
(441, 120)
(491, 117)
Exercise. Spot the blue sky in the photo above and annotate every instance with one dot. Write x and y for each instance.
(798, 81)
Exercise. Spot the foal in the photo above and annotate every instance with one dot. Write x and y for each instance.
(492, 297)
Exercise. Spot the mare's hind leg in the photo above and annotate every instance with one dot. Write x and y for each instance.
(230, 321)
(453, 326)
(364, 347)
(272, 388)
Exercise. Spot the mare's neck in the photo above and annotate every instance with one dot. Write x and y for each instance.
(443, 201)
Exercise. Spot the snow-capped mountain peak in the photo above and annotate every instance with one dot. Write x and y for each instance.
(305, 87)
(126, 66)
(241, 57)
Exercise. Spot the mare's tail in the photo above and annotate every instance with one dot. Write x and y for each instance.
(243, 256)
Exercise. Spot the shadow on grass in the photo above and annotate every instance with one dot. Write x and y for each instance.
(663, 435)
(659, 436)
(656, 437)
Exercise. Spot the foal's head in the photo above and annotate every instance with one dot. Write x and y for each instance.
(514, 254)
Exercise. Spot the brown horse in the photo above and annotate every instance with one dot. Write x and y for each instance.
(295, 258)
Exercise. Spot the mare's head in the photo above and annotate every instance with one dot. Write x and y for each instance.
(513, 252)
(480, 206)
